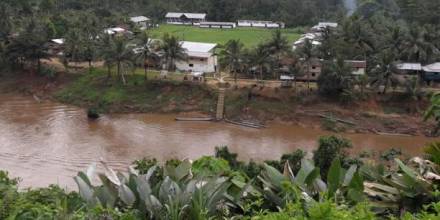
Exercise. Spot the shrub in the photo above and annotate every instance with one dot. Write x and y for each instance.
(210, 166)
(329, 149)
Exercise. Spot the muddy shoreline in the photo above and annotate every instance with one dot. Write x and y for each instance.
(377, 115)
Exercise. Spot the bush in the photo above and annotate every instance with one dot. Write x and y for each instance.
(210, 166)
(329, 149)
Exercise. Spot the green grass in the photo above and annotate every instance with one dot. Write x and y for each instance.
(249, 36)
(96, 91)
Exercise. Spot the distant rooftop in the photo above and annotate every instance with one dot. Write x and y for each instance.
(138, 19)
(58, 41)
(188, 15)
(435, 67)
(409, 66)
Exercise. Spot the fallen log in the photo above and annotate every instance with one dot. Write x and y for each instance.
(194, 119)
(337, 119)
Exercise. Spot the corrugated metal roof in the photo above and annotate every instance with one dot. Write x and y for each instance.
(58, 41)
(409, 66)
(139, 19)
(188, 15)
(197, 47)
(435, 67)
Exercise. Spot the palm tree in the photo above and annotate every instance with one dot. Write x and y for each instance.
(173, 51)
(144, 52)
(117, 51)
(278, 46)
(106, 53)
(260, 58)
(384, 71)
(231, 56)
(416, 47)
(307, 53)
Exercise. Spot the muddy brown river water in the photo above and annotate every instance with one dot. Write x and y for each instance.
(49, 142)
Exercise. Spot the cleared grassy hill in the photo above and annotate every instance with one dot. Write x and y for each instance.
(249, 36)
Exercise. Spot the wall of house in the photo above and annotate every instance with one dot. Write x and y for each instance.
(194, 64)
(358, 71)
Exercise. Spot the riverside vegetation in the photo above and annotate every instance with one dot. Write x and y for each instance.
(329, 186)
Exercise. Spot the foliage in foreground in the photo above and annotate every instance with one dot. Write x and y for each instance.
(222, 188)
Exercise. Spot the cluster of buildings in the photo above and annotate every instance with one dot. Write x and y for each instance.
(314, 35)
(199, 19)
(429, 73)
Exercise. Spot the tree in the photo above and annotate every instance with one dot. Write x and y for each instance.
(117, 51)
(231, 56)
(30, 44)
(144, 52)
(278, 46)
(307, 53)
(173, 51)
(417, 48)
(383, 73)
(330, 148)
(335, 78)
(260, 58)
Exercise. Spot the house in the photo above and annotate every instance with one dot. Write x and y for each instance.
(141, 22)
(220, 25)
(185, 18)
(314, 39)
(260, 24)
(323, 25)
(358, 67)
(200, 57)
(405, 71)
(431, 73)
(314, 69)
(55, 47)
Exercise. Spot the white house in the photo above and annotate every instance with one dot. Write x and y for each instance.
(185, 18)
(141, 21)
(200, 57)
(322, 25)
(261, 24)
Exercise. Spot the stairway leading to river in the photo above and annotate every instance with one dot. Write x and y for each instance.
(220, 104)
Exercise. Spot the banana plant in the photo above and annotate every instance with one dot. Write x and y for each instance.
(179, 195)
(308, 185)
(408, 188)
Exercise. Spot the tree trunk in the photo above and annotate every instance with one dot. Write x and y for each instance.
(119, 69)
(109, 72)
(90, 66)
(261, 73)
(145, 72)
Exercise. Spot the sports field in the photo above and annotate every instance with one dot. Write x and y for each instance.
(249, 36)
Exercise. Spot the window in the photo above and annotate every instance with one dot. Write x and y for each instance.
(202, 59)
(191, 65)
(313, 67)
(313, 74)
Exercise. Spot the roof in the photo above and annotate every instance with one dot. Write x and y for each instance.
(114, 30)
(58, 41)
(217, 23)
(435, 67)
(322, 25)
(139, 19)
(188, 15)
(195, 49)
(357, 63)
(409, 66)
(198, 47)
(286, 77)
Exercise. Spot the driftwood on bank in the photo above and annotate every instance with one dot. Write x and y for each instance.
(245, 124)
(337, 119)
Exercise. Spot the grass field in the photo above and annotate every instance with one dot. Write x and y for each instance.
(249, 36)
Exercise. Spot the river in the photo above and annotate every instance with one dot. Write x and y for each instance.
(47, 142)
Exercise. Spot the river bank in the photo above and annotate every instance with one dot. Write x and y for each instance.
(392, 114)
